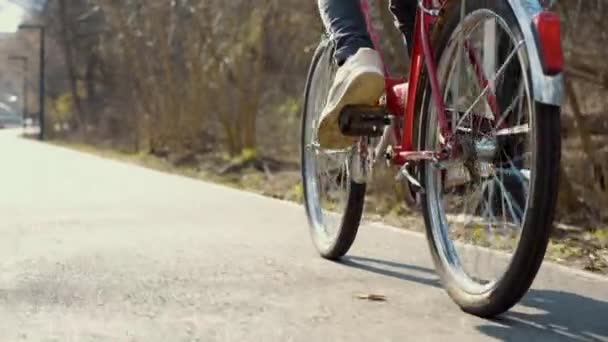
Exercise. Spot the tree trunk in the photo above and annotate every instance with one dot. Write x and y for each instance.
(69, 60)
(598, 165)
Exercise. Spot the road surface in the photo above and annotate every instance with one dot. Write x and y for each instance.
(97, 250)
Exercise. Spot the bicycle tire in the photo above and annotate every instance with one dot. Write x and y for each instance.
(332, 248)
(537, 226)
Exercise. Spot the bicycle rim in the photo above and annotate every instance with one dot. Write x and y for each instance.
(478, 201)
(331, 199)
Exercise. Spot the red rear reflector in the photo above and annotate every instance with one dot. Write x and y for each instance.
(548, 36)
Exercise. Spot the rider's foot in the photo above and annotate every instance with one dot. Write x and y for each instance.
(360, 81)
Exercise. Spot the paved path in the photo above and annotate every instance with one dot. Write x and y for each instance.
(96, 250)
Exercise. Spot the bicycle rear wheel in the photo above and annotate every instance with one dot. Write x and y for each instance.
(488, 209)
(334, 203)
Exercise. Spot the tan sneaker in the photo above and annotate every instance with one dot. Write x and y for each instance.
(359, 81)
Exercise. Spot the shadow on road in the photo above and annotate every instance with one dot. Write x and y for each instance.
(543, 315)
(560, 316)
(397, 270)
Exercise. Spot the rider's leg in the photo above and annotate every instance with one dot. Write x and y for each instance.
(360, 78)
(345, 24)
(405, 17)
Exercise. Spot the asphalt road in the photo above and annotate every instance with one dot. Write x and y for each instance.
(97, 250)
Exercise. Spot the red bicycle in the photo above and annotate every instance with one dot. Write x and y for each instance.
(476, 138)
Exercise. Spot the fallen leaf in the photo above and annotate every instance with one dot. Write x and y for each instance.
(372, 297)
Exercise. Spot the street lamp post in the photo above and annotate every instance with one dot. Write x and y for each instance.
(41, 92)
(24, 61)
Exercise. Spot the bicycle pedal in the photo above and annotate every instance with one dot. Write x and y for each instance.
(363, 121)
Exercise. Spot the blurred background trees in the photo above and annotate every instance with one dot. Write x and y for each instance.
(175, 75)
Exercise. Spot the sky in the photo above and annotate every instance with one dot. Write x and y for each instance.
(11, 16)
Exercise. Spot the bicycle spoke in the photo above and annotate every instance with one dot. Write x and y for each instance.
(519, 129)
(514, 209)
(516, 101)
(498, 74)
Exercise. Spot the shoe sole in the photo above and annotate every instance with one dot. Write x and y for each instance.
(363, 89)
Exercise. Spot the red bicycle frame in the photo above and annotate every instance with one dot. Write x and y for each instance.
(397, 101)
(546, 31)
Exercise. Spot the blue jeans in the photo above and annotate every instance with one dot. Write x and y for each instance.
(344, 21)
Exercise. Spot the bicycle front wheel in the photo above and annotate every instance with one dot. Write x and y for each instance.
(334, 203)
(489, 208)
